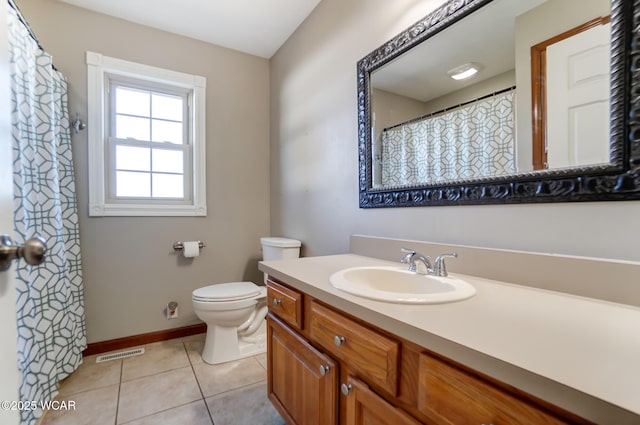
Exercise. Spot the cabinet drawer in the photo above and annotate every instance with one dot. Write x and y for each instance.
(365, 407)
(451, 396)
(363, 350)
(285, 303)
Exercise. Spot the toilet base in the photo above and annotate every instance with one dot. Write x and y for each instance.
(223, 344)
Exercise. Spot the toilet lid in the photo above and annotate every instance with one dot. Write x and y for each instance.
(231, 291)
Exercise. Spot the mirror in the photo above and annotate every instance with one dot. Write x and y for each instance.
(545, 117)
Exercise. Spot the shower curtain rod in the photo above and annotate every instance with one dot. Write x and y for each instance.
(430, 114)
(24, 22)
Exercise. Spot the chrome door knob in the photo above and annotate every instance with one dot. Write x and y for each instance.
(276, 302)
(324, 369)
(33, 251)
(346, 388)
(339, 340)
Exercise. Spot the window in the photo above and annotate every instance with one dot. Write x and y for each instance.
(146, 140)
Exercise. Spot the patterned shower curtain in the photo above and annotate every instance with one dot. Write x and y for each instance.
(50, 301)
(473, 141)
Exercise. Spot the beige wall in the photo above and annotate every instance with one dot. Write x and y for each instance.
(314, 156)
(391, 109)
(130, 269)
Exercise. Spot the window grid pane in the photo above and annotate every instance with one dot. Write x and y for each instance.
(132, 101)
(128, 127)
(149, 116)
(167, 107)
(167, 185)
(132, 158)
(133, 184)
(144, 165)
(167, 116)
(167, 161)
(167, 131)
(145, 171)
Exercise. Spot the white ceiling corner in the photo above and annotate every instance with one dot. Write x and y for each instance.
(257, 27)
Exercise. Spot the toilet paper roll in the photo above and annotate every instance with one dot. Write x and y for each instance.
(191, 249)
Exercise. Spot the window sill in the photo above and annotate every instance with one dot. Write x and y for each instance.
(144, 210)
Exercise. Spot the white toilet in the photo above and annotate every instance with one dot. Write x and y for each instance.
(234, 312)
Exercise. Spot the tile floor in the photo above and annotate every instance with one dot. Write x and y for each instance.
(168, 384)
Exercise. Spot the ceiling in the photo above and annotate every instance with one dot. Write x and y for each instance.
(257, 27)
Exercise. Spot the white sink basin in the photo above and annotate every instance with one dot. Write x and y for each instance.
(398, 285)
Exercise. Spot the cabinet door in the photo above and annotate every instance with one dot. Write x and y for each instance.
(302, 382)
(364, 407)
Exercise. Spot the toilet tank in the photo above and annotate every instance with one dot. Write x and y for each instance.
(279, 248)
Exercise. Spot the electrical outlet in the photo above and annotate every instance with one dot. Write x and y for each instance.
(172, 314)
(172, 310)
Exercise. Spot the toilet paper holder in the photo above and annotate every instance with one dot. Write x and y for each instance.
(179, 246)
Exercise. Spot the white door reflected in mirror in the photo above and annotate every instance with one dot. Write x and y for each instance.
(578, 88)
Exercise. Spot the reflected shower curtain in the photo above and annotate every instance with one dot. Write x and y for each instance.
(473, 141)
(50, 301)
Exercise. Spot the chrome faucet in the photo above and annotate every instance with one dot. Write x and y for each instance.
(411, 257)
(439, 268)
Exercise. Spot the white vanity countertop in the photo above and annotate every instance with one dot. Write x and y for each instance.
(586, 344)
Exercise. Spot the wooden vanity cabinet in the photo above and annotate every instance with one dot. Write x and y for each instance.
(302, 381)
(326, 367)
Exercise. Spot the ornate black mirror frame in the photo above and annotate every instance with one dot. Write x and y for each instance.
(619, 180)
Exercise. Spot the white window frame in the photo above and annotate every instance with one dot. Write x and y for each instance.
(99, 70)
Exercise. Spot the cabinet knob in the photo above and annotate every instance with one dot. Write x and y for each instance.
(346, 388)
(324, 369)
(276, 302)
(339, 340)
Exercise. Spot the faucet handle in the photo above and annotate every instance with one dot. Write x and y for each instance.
(408, 258)
(409, 253)
(439, 267)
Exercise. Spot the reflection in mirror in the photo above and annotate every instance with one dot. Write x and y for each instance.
(538, 96)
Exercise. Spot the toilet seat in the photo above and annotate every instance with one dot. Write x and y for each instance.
(224, 292)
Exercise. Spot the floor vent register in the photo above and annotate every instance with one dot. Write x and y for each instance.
(120, 355)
